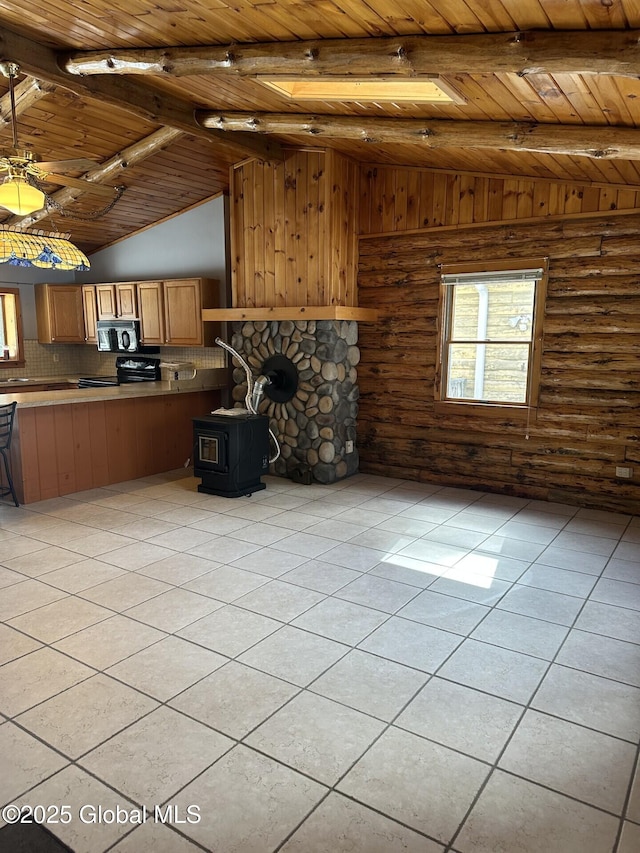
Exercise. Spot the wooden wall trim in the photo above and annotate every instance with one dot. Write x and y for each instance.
(329, 312)
(162, 221)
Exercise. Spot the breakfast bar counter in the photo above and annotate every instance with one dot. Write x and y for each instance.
(73, 439)
(59, 390)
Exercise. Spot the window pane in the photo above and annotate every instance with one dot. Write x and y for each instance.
(10, 335)
(2, 325)
(496, 312)
(493, 372)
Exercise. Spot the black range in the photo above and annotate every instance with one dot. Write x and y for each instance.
(129, 368)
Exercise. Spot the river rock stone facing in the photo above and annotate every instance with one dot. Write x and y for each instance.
(313, 427)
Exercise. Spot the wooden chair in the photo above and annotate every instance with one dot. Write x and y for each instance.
(7, 414)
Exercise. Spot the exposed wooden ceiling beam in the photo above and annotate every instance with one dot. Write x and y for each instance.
(599, 143)
(108, 171)
(551, 52)
(153, 106)
(27, 93)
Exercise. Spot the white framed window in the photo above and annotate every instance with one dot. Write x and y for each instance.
(491, 333)
(11, 349)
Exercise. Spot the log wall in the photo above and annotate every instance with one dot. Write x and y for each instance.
(588, 418)
(294, 231)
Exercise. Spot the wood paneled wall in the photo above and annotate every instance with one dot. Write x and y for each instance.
(396, 199)
(294, 231)
(61, 449)
(588, 418)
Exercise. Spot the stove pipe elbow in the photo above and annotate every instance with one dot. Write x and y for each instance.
(258, 391)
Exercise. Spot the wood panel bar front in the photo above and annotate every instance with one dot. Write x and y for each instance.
(83, 436)
(71, 447)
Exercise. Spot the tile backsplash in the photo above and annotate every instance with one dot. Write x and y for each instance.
(39, 361)
(85, 360)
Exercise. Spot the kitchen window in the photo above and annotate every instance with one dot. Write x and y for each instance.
(11, 349)
(491, 334)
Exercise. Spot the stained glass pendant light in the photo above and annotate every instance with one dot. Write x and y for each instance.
(41, 249)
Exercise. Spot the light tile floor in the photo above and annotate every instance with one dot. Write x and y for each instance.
(375, 666)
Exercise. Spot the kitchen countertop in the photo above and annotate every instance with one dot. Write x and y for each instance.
(11, 391)
(35, 380)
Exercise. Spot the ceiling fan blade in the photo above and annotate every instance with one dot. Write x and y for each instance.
(81, 164)
(88, 186)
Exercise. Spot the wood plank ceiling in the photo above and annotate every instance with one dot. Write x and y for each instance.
(80, 117)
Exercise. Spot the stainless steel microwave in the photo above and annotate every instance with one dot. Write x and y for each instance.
(118, 335)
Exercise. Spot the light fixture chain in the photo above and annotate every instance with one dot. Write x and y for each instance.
(12, 97)
(53, 205)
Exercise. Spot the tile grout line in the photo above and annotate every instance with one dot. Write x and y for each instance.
(495, 767)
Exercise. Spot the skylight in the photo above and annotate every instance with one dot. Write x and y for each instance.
(422, 91)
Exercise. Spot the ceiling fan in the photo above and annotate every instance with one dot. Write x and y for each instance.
(21, 191)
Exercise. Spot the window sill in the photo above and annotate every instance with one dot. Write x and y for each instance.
(8, 364)
(488, 410)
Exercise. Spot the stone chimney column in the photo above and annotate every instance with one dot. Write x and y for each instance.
(315, 425)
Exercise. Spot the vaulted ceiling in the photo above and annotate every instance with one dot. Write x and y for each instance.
(549, 88)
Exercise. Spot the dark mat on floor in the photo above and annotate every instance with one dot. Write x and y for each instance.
(30, 838)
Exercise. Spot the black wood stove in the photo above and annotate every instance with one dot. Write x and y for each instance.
(231, 453)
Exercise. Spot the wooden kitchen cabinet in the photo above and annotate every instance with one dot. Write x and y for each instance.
(171, 312)
(59, 314)
(126, 302)
(117, 301)
(151, 305)
(106, 301)
(183, 303)
(90, 313)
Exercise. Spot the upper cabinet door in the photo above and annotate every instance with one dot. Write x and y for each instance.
(59, 313)
(183, 312)
(90, 313)
(126, 302)
(106, 299)
(150, 303)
